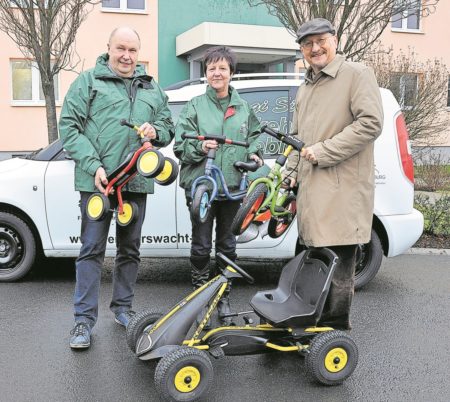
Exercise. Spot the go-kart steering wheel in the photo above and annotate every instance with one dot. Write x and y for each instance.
(244, 274)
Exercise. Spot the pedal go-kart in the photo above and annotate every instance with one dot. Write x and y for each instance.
(148, 162)
(288, 316)
(205, 188)
(266, 198)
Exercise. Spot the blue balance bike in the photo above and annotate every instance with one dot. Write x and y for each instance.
(205, 188)
(287, 317)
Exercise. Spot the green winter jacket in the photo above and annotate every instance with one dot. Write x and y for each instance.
(204, 115)
(89, 124)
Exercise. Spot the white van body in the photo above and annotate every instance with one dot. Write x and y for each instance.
(38, 193)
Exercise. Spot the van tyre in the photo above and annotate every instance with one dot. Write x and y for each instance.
(332, 357)
(184, 374)
(17, 248)
(370, 257)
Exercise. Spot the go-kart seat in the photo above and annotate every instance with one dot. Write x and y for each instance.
(298, 300)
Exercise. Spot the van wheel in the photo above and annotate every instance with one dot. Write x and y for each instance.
(17, 248)
(370, 257)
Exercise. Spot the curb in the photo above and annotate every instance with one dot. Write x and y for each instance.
(428, 251)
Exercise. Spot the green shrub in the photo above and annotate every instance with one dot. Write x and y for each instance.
(436, 213)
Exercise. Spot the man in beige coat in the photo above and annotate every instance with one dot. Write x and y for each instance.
(338, 114)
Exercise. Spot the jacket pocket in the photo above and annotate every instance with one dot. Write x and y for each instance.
(144, 108)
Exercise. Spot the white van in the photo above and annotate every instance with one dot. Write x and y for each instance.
(39, 211)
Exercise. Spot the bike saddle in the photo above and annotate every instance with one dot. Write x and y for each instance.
(122, 166)
(298, 300)
(251, 166)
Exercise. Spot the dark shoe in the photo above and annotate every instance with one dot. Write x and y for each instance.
(223, 308)
(81, 336)
(124, 318)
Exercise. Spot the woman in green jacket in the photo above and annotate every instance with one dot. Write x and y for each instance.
(219, 111)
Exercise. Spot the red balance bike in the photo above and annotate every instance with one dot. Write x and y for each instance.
(148, 162)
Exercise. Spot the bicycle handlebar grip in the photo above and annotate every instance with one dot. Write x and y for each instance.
(219, 138)
(287, 139)
(123, 122)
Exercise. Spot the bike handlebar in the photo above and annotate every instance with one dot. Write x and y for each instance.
(219, 138)
(287, 139)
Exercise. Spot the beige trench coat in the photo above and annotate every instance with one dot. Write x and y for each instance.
(339, 114)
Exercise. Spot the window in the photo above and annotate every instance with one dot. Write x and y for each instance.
(408, 18)
(405, 88)
(274, 109)
(26, 83)
(124, 5)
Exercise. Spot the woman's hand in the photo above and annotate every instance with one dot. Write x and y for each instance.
(209, 144)
(257, 159)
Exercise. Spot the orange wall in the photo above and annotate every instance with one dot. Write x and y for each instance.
(24, 128)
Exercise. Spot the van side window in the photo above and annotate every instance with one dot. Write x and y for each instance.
(274, 109)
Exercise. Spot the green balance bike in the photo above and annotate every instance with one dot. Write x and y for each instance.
(266, 198)
(146, 161)
(287, 317)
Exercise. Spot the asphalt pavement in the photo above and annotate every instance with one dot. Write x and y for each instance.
(400, 324)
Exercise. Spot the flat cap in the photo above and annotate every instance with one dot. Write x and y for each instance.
(314, 27)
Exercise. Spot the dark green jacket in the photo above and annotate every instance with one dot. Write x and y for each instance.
(90, 127)
(204, 115)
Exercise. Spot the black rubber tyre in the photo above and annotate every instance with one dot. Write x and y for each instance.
(150, 163)
(17, 248)
(278, 226)
(332, 357)
(370, 259)
(130, 213)
(137, 324)
(200, 204)
(247, 211)
(184, 374)
(97, 206)
(169, 173)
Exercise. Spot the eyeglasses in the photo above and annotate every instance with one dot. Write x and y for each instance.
(310, 43)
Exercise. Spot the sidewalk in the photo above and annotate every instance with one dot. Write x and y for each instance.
(426, 251)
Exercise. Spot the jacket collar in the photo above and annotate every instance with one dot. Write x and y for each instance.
(235, 99)
(331, 70)
(102, 69)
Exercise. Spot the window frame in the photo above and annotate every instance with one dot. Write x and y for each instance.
(123, 8)
(404, 20)
(35, 86)
(402, 87)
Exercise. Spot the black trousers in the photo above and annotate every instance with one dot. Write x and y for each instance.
(223, 213)
(336, 312)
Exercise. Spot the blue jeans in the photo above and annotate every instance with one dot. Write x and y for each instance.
(94, 235)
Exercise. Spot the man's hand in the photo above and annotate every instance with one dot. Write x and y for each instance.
(148, 131)
(257, 159)
(101, 180)
(209, 144)
(288, 182)
(308, 154)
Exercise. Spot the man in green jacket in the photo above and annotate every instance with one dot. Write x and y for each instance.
(117, 88)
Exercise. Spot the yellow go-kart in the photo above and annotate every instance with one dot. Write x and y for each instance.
(288, 317)
(146, 161)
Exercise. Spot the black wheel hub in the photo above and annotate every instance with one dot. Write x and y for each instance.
(10, 247)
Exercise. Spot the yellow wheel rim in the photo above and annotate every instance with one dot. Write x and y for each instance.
(187, 379)
(166, 172)
(95, 207)
(127, 215)
(335, 360)
(148, 162)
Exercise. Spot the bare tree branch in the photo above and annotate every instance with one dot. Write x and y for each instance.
(359, 23)
(425, 111)
(44, 31)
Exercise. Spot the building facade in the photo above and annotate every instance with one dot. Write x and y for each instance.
(174, 36)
